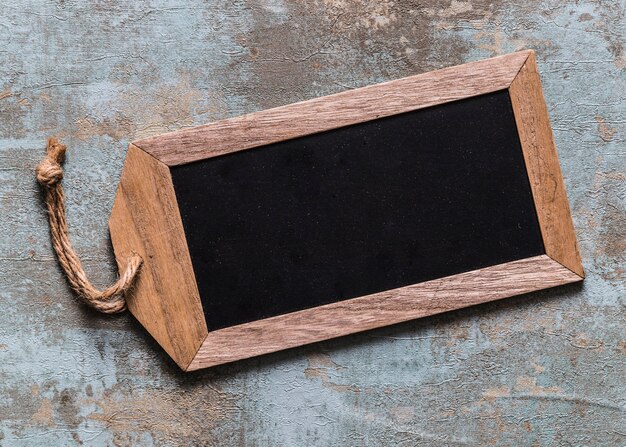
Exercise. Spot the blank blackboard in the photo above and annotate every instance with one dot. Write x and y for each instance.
(345, 213)
(357, 210)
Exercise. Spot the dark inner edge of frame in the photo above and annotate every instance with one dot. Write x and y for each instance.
(357, 210)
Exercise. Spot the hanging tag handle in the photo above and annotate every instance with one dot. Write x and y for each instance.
(110, 300)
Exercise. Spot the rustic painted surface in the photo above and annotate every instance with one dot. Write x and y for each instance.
(546, 369)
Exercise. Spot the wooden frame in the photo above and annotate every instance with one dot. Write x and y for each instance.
(166, 299)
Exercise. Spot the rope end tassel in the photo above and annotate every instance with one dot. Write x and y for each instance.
(111, 300)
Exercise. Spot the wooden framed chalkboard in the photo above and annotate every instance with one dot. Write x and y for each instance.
(346, 213)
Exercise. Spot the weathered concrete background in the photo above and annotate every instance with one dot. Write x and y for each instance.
(546, 369)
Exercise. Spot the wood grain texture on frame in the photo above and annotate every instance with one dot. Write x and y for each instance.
(380, 309)
(166, 299)
(330, 112)
(145, 219)
(542, 164)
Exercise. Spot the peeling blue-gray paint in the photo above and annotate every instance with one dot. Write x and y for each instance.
(543, 369)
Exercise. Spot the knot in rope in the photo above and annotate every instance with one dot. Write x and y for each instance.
(49, 171)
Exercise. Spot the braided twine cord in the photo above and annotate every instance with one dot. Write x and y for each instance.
(110, 300)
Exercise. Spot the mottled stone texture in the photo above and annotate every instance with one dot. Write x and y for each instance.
(547, 369)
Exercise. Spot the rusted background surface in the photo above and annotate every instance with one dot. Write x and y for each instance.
(545, 369)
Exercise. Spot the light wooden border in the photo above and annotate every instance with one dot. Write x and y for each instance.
(380, 309)
(164, 296)
(330, 112)
(542, 164)
(145, 219)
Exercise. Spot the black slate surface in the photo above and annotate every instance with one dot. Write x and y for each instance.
(357, 210)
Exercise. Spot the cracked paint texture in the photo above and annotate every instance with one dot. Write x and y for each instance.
(546, 369)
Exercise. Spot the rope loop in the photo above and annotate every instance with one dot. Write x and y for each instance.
(110, 300)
